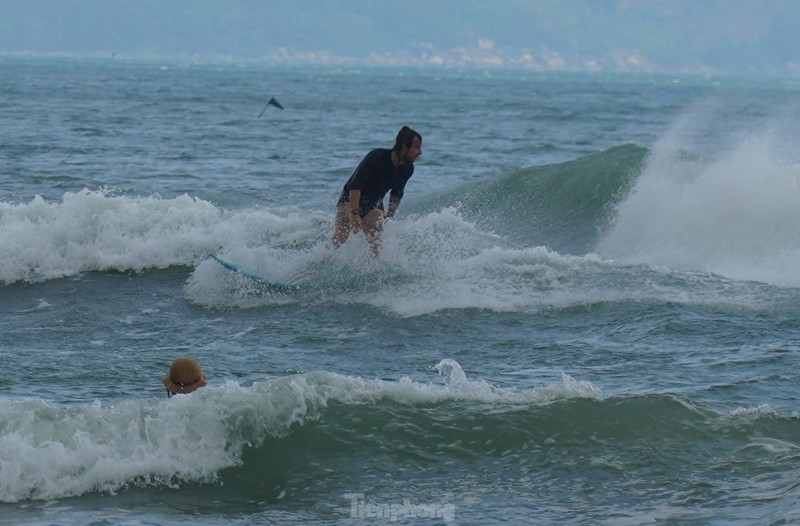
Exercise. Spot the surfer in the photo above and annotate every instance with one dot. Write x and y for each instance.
(185, 376)
(360, 205)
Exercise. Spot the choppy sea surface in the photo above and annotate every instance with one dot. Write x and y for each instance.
(587, 310)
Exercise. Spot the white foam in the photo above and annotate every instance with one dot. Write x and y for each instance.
(479, 390)
(100, 231)
(435, 262)
(49, 453)
(42, 305)
(429, 262)
(773, 446)
(753, 412)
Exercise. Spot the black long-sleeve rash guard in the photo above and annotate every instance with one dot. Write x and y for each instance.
(375, 175)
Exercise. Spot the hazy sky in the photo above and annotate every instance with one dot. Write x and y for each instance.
(755, 37)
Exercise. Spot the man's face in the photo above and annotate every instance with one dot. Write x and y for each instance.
(411, 153)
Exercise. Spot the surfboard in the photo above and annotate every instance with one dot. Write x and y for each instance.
(249, 275)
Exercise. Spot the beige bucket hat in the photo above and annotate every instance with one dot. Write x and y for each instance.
(185, 376)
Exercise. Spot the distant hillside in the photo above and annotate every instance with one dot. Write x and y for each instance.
(746, 36)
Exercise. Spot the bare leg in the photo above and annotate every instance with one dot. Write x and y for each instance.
(373, 227)
(341, 226)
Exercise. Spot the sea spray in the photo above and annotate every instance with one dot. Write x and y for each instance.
(733, 214)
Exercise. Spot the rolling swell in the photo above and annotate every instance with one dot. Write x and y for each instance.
(563, 206)
(612, 450)
(305, 437)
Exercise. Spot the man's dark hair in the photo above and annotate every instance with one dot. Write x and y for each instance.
(405, 137)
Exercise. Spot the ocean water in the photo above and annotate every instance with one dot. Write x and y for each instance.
(585, 312)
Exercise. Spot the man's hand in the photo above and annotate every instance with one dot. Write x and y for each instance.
(355, 222)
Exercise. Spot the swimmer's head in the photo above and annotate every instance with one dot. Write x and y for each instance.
(185, 376)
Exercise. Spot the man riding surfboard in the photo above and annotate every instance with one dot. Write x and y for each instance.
(360, 205)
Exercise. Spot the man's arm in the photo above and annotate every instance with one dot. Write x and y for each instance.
(394, 202)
